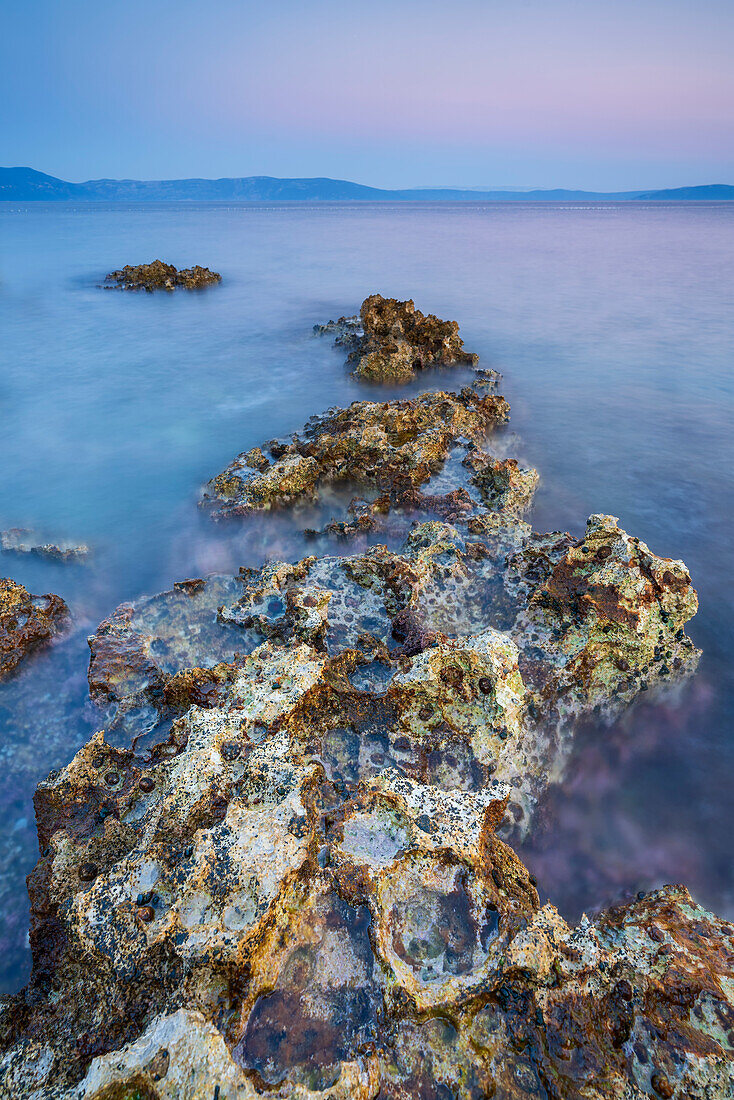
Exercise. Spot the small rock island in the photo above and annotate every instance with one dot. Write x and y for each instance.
(391, 341)
(160, 276)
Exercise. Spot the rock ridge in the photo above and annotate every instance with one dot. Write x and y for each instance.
(284, 867)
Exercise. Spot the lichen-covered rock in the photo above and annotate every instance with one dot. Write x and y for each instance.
(246, 923)
(453, 701)
(606, 618)
(161, 276)
(283, 869)
(503, 484)
(391, 448)
(27, 622)
(301, 863)
(392, 340)
(21, 540)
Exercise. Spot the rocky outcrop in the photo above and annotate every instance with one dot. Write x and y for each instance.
(21, 540)
(160, 276)
(283, 868)
(389, 449)
(391, 341)
(278, 909)
(27, 622)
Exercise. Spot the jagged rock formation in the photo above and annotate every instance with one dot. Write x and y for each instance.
(389, 449)
(160, 276)
(27, 622)
(21, 540)
(391, 341)
(283, 868)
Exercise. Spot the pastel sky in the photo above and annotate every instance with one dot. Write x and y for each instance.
(603, 94)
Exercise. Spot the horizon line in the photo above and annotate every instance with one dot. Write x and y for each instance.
(488, 188)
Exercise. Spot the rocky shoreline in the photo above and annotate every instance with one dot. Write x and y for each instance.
(284, 868)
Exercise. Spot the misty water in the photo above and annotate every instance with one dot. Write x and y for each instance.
(613, 326)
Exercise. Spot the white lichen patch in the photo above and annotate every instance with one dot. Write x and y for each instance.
(375, 838)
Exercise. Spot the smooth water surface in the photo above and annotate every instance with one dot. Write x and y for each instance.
(613, 326)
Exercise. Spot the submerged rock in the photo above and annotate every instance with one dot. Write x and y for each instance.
(27, 622)
(160, 276)
(21, 540)
(391, 341)
(343, 329)
(283, 868)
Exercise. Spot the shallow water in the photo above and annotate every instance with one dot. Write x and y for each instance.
(613, 326)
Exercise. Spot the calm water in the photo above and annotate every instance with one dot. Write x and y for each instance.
(614, 328)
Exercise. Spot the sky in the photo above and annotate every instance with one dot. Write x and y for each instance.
(595, 94)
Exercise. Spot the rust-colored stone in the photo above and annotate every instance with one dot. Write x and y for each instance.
(26, 623)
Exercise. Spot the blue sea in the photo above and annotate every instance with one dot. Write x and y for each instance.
(613, 326)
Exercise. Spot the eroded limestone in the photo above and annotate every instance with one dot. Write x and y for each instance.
(22, 540)
(390, 448)
(283, 868)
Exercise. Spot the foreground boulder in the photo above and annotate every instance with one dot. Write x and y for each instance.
(288, 880)
(26, 623)
(391, 341)
(452, 698)
(273, 908)
(160, 276)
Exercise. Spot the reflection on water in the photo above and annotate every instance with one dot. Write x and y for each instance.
(613, 327)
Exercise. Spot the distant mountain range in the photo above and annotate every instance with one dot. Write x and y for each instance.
(25, 184)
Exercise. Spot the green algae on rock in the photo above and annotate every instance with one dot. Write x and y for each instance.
(391, 340)
(161, 276)
(27, 622)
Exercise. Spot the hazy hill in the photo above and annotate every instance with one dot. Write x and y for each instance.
(712, 192)
(25, 184)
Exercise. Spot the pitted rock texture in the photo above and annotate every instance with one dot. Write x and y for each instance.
(245, 922)
(283, 868)
(27, 622)
(389, 449)
(158, 656)
(161, 276)
(391, 341)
